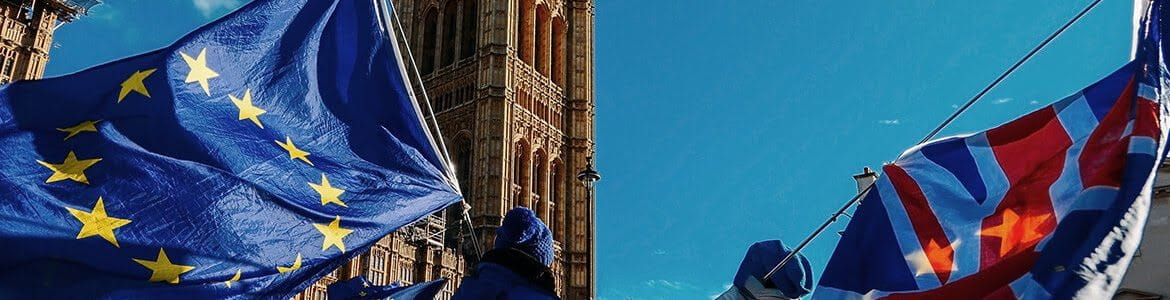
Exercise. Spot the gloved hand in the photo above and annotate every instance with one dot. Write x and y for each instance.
(792, 281)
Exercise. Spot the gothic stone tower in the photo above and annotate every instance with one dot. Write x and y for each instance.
(26, 34)
(511, 83)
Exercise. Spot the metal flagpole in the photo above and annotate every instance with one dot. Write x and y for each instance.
(931, 135)
(1008, 72)
(463, 210)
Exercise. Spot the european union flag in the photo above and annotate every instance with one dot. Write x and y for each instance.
(359, 288)
(249, 158)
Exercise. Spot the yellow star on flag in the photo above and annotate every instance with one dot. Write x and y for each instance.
(199, 71)
(293, 151)
(71, 168)
(296, 265)
(333, 234)
(247, 110)
(234, 278)
(329, 194)
(85, 126)
(96, 222)
(162, 270)
(134, 84)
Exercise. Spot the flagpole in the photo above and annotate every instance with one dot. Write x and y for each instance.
(931, 135)
(463, 208)
(1008, 72)
(817, 232)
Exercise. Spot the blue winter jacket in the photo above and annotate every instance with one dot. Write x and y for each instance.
(508, 274)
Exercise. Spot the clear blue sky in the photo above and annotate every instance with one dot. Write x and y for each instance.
(723, 124)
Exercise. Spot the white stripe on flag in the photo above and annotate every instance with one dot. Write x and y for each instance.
(824, 292)
(906, 235)
(961, 216)
(995, 182)
(1147, 92)
(1026, 287)
(1092, 198)
(1142, 145)
(1078, 121)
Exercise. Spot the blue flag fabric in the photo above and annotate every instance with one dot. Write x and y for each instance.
(360, 288)
(355, 288)
(247, 159)
(420, 291)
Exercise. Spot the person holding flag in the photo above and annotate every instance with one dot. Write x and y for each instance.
(793, 282)
(518, 267)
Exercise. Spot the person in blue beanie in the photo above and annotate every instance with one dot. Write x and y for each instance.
(793, 281)
(518, 266)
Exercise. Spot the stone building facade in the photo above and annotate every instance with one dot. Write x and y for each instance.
(511, 84)
(26, 34)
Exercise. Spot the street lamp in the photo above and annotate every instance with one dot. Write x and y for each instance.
(589, 178)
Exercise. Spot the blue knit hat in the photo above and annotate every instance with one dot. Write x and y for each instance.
(794, 279)
(523, 231)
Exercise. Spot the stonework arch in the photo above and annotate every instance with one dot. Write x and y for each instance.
(462, 155)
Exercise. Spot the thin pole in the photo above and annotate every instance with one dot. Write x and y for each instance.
(1006, 73)
(422, 85)
(931, 135)
(434, 121)
(817, 232)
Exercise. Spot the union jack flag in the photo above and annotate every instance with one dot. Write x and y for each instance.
(1050, 205)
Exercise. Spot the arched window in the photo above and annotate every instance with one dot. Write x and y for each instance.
(556, 201)
(543, 39)
(430, 25)
(540, 185)
(470, 28)
(10, 67)
(525, 37)
(450, 28)
(463, 163)
(558, 51)
(521, 177)
(456, 227)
